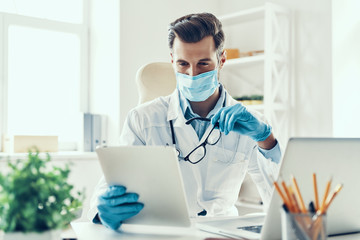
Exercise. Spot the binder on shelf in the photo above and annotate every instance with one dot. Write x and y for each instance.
(87, 132)
(94, 131)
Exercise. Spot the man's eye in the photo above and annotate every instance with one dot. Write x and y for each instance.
(203, 64)
(183, 64)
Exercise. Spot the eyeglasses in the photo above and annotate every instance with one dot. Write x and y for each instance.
(198, 154)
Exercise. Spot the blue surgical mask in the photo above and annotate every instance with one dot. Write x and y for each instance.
(197, 88)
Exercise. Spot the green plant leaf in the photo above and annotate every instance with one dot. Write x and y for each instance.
(35, 199)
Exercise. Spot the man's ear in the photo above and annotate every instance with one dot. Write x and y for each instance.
(172, 58)
(222, 59)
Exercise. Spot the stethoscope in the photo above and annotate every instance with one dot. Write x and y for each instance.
(201, 145)
(173, 135)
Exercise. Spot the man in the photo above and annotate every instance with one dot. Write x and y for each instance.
(191, 119)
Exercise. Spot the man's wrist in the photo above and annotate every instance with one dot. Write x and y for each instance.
(268, 143)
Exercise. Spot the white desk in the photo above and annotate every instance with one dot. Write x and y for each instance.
(90, 231)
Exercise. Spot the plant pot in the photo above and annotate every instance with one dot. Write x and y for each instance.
(246, 102)
(47, 235)
(255, 102)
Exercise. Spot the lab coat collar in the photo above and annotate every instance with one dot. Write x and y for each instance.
(174, 110)
(175, 114)
(228, 99)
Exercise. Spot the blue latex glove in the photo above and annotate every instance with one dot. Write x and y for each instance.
(115, 205)
(237, 118)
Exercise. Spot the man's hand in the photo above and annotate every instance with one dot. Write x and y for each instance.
(237, 118)
(115, 206)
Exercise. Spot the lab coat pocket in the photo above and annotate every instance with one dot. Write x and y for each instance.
(226, 170)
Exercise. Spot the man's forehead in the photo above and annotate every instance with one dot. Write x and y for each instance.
(204, 49)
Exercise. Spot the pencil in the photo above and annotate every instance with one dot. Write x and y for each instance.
(302, 205)
(325, 195)
(293, 197)
(281, 194)
(316, 192)
(332, 196)
(291, 205)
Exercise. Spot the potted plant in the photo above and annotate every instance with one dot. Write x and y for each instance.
(257, 99)
(36, 201)
(246, 100)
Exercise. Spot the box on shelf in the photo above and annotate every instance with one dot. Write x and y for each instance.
(251, 53)
(232, 53)
(22, 143)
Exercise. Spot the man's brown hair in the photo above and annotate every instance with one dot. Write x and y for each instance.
(194, 27)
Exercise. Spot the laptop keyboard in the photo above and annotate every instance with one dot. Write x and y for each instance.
(256, 228)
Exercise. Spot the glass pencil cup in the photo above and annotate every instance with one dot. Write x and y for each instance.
(303, 226)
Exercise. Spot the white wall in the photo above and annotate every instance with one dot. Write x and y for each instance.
(346, 68)
(143, 38)
(311, 62)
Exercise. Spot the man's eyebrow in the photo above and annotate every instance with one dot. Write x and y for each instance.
(204, 60)
(201, 60)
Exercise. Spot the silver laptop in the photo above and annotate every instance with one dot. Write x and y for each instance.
(338, 158)
(154, 173)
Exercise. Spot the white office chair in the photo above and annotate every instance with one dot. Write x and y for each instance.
(158, 79)
(155, 80)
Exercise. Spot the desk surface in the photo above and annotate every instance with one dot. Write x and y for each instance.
(90, 231)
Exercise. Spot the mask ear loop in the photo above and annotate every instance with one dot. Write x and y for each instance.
(218, 64)
(219, 56)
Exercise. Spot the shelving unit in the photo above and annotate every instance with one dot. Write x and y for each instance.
(269, 73)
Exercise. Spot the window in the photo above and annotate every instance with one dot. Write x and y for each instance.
(70, 11)
(44, 85)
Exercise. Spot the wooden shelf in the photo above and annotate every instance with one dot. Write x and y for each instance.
(245, 61)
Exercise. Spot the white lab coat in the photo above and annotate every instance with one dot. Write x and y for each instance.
(214, 183)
